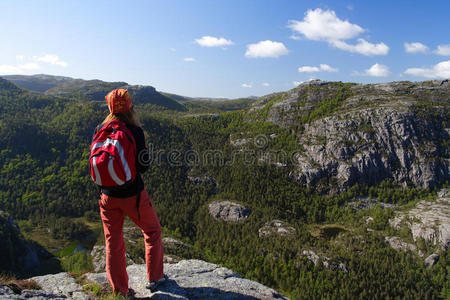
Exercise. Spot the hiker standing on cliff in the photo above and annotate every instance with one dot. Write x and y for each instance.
(118, 156)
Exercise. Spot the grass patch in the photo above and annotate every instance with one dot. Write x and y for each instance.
(66, 251)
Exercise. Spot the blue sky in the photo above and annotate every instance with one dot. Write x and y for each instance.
(226, 48)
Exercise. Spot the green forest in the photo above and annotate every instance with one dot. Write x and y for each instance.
(45, 184)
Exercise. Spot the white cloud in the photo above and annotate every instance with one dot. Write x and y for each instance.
(20, 69)
(51, 59)
(211, 41)
(27, 64)
(378, 70)
(362, 47)
(308, 69)
(324, 25)
(443, 50)
(322, 67)
(266, 49)
(172, 49)
(266, 84)
(440, 70)
(327, 68)
(415, 47)
(246, 85)
(190, 59)
(319, 25)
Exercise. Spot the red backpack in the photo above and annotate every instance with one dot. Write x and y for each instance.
(113, 153)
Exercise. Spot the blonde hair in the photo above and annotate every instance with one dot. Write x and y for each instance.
(129, 117)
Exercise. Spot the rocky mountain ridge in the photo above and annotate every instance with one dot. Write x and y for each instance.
(363, 134)
(90, 90)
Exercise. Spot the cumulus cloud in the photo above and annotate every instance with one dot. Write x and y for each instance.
(324, 25)
(440, 70)
(319, 25)
(246, 85)
(266, 84)
(51, 59)
(415, 47)
(377, 70)
(266, 49)
(189, 59)
(362, 47)
(211, 41)
(321, 67)
(443, 50)
(327, 68)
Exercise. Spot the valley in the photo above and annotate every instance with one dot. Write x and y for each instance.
(328, 190)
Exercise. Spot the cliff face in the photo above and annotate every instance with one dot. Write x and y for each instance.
(365, 134)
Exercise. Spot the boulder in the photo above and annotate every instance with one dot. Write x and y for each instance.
(228, 211)
(276, 227)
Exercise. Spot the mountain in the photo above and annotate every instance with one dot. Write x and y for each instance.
(91, 90)
(37, 83)
(364, 134)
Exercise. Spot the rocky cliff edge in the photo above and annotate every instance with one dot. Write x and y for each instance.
(188, 279)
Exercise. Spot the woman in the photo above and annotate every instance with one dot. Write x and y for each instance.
(133, 200)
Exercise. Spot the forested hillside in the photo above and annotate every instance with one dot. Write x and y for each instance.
(275, 158)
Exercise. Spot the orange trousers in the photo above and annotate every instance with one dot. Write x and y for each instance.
(112, 211)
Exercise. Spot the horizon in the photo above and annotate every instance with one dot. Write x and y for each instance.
(216, 98)
(222, 50)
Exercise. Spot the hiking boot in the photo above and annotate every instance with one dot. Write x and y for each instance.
(154, 284)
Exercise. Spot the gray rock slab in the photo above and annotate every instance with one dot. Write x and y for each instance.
(195, 279)
(61, 284)
(7, 294)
